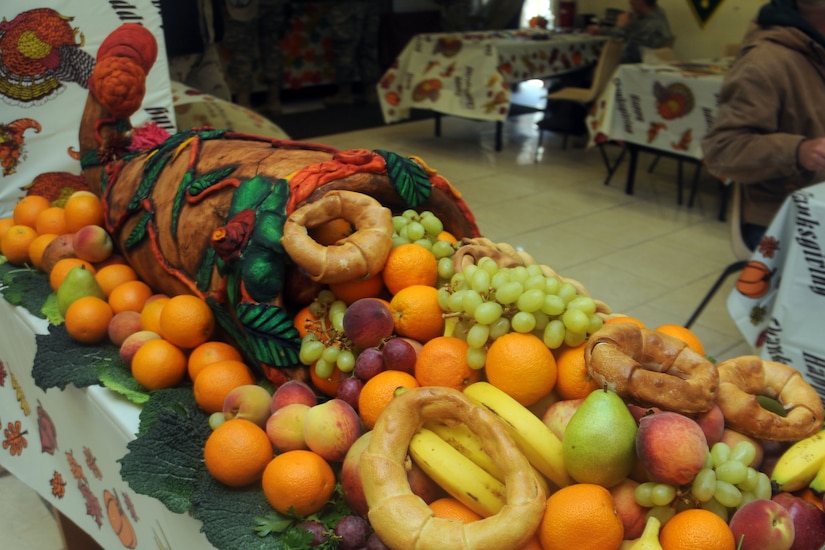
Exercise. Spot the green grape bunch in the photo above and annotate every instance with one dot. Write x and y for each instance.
(325, 344)
(725, 483)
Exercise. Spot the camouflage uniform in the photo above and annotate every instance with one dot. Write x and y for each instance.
(646, 31)
(253, 34)
(354, 37)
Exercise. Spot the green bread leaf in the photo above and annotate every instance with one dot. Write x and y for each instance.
(118, 378)
(408, 178)
(60, 360)
(166, 463)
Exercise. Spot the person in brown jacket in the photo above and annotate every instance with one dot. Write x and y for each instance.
(769, 133)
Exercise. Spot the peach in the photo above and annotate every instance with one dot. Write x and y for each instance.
(249, 401)
(671, 447)
(762, 525)
(712, 423)
(331, 428)
(132, 343)
(559, 414)
(292, 391)
(92, 243)
(123, 325)
(285, 427)
(367, 322)
(732, 437)
(632, 514)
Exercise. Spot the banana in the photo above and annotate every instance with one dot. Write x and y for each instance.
(540, 445)
(800, 463)
(818, 482)
(468, 443)
(457, 474)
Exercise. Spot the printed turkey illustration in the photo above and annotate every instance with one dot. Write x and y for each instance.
(673, 101)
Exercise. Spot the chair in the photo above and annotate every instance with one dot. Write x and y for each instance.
(740, 250)
(573, 98)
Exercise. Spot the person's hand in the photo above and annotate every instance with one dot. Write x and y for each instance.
(811, 154)
(624, 19)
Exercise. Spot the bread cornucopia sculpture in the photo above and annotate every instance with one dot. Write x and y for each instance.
(225, 216)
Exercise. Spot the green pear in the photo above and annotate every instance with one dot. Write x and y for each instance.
(599, 444)
(79, 282)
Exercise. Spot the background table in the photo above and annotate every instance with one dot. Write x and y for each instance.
(469, 74)
(778, 302)
(664, 109)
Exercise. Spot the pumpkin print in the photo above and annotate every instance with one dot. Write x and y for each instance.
(755, 280)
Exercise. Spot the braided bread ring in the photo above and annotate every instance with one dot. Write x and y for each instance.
(403, 520)
(357, 256)
(744, 379)
(651, 368)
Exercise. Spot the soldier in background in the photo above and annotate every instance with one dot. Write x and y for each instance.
(354, 26)
(254, 29)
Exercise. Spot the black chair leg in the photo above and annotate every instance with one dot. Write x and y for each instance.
(653, 164)
(730, 270)
(437, 124)
(694, 188)
(611, 167)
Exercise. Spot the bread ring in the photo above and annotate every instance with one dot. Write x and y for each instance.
(743, 379)
(651, 368)
(402, 520)
(357, 256)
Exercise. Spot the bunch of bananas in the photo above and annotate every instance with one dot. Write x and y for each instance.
(454, 457)
(802, 464)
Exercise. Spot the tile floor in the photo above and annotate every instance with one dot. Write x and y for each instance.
(644, 255)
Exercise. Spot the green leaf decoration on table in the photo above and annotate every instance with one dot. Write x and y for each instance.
(61, 361)
(118, 377)
(180, 401)
(408, 177)
(25, 287)
(166, 462)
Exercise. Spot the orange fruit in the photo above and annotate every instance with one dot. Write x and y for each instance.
(83, 209)
(625, 319)
(696, 529)
(62, 267)
(447, 236)
(159, 364)
(214, 382)
(572, 378)
(581, 516)
(187, 321)
(130, 296)
(299, 481)
(378, 391)
(327, 386)
(237, 452)
(522, 366)
(208, 353)
(416, 313)
(329, 233)
(351, 291)
(150, 314)
(450, 508)
(5, 224)
(442, 361)
(87, 319)
(28, 208)
(51, 220)
(16, 242)
(409, 264)
(685, 335)
(305, 322)
(112, 275)
(38, 246)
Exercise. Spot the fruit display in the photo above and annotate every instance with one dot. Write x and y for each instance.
(373, 373)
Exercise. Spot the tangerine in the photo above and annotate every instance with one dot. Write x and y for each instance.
(28, 208)
(625, 319)
(685, 335)
(378, 391)
(5, 224)
(442, 361)
(130, 296)
(62, 267)
(51, 220)
(450, 508)
(329, 385)
(299, 482)
(16, 242)
(82, 209)
(409, 264)
(37, 247)
(208, 353)
(581, 516)
(187, 321)
(87, 319)
(572, 379)
(112, 275)
(159, 364)
(447, 236)
(696, 529)
(237, 452)
(329, 233)
(350, 291)
(416, 313)
(522, 366)
(150, 314)
(214, 382)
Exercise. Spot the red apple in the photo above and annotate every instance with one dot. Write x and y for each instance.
(559, 414)
(367, 322)
(285, 427)
(93, 243)
(762, 525)
(808, 521)
(671, 447)
(330, 429)
(712, 423)
(249, 401)
(292, 391)
(299, 289)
